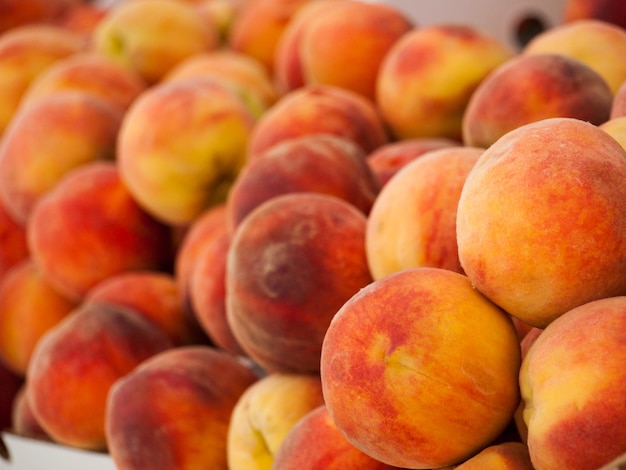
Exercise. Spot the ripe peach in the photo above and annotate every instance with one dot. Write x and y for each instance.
(320, 163)
(572, 380)
(177, 167)
(427, 77)
(503, 456)
(528, 88)
(48, 139)
(618, 107)
(13, 241)
(611, 11)
(89, 227)
(258, 26)
(75, 364)
(29, 308)
(582, 40)
(292, 263)
(132, 34)
(207, 287)
(540, 220)
(413, 220)
(315, 442)
(25, 12)
(243, 73)
(388, 159)
(264, 415)
(25, 52)
(174, 409)
(616, 128)
(319, 110)
(416, 358)
(343, 46)
(23, 421)
(153, 294)
(89, 72)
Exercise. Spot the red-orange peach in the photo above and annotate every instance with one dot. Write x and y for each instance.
(314, 442)
(16, 13)
(153, 294)
(529, 88)
(25, 52)
(75, 364)
(427, 77)
(89, 227)
(91, 73)
(503, 456)
(29, 308)
(320, 163)
(318, 109)
(47, 140)
(413, 220)
(572, 382)
(292, 262)
(344, 45)
(174, 409)
(582, 40)
(13, 241)
(611, 11)
(541, 223)
(388, 159)
(420, 370)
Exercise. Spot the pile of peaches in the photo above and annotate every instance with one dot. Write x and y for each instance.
(312, 235)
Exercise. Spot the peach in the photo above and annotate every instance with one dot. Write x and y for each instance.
(23, 421)
(503, 456)
(208, 291)
(315, 442)
(540, 220)
(131, 33)
(83, 17)
(320, 163)
(222, 13)
(12, 383)
(598, 44)
(611, 11)
(413, 220)
(343, 46)
(258, 26)
(29, 308)
(17, 13)
(529, 88)
(174, 409)
(153, 294)
(50, 138)
(319, 109)
(287, 61)
(388, 159)
(208, 225)
(25, 52)
(616, 128)
(264, 415)
(177, 167)
(13, 241)
(572, 380)
(416, 358)
(243, 73)
(76, 363)
(428, 76)
(89, 72)
(89, 227)
(618, 107)
(292, 263)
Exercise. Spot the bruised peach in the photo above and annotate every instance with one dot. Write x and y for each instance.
(75, 364)
(415, 358)
(541, 220)
(292, 263)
